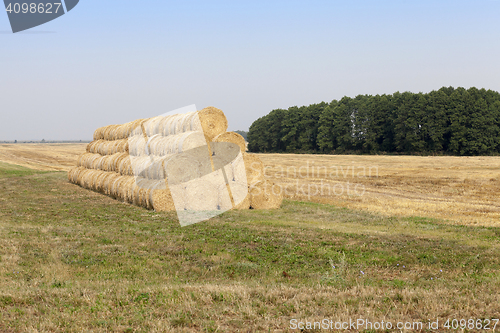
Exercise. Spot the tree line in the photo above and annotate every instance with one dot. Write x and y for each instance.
(446, 121)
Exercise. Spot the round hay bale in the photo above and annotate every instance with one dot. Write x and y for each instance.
(93, 179)
(123, 146)
(99, 163)
(218, 182)
(126, 129)
(76, 175)
(155, 169)
(80, 160)
(191, 140)
(116, 186)
(127, 189)
(124, 166)
(181, 169)
(174, 124)
(92, 147)
(99, 183)
(245, 204)
(177, 143)
(241, 195)
(93, 161)
(254, 169)
(140, 193)
(137, 145)
(201, 195)
(86, 179)
(99, 147)
(73, 174)
(106, 148)
(219, 163)
(224, 198)
(115, 132)
(233, 138)
(107, 181)
(223, 153)
(163, 202)
(155, 125)
(118, 160)
(179, 125)
(106, 131)
(111, 133)
(88, 149)
(152, 186)
(265, 195)
(165, 126)
(98, 134)
(134, 127)
(213, 122)
(135, 194)
(192, 123)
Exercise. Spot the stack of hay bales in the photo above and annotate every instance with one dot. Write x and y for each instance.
(128, 162)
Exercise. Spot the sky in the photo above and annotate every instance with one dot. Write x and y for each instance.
(110, 62)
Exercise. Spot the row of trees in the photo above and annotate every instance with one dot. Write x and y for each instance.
(447, 121)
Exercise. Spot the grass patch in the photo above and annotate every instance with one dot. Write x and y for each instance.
(73, 260)
(10, 170)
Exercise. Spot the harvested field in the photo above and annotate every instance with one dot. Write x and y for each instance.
(42, 156)
(459, 189)
(462, 190)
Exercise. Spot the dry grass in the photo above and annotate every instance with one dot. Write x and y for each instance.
(463, 190)
(43, 156)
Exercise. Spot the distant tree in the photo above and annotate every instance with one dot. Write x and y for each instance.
(43, 140)
(243, 134)
(451, 121)
(15, 141)
(326, 141)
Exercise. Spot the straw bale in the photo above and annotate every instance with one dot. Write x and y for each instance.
(265, 195)
(177, 143)
(254, 169)
(182, 168)
(245, 204)
(137, 145)
(201, 195)
(99, 134)
(213, 121)
(241, 195)
(99, 182)
(74, 173)
(233, 138)
(218, 182)
(163, 202)
(127, 189)
(125, 167)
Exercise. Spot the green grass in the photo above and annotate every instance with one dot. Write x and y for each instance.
(72, 260)
(10, 170)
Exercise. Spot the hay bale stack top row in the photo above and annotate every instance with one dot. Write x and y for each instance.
(127, 162)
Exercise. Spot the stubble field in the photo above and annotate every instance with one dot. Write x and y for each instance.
(461, 190)
(72, 260)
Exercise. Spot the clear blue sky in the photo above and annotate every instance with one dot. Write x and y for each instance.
(114, 61)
